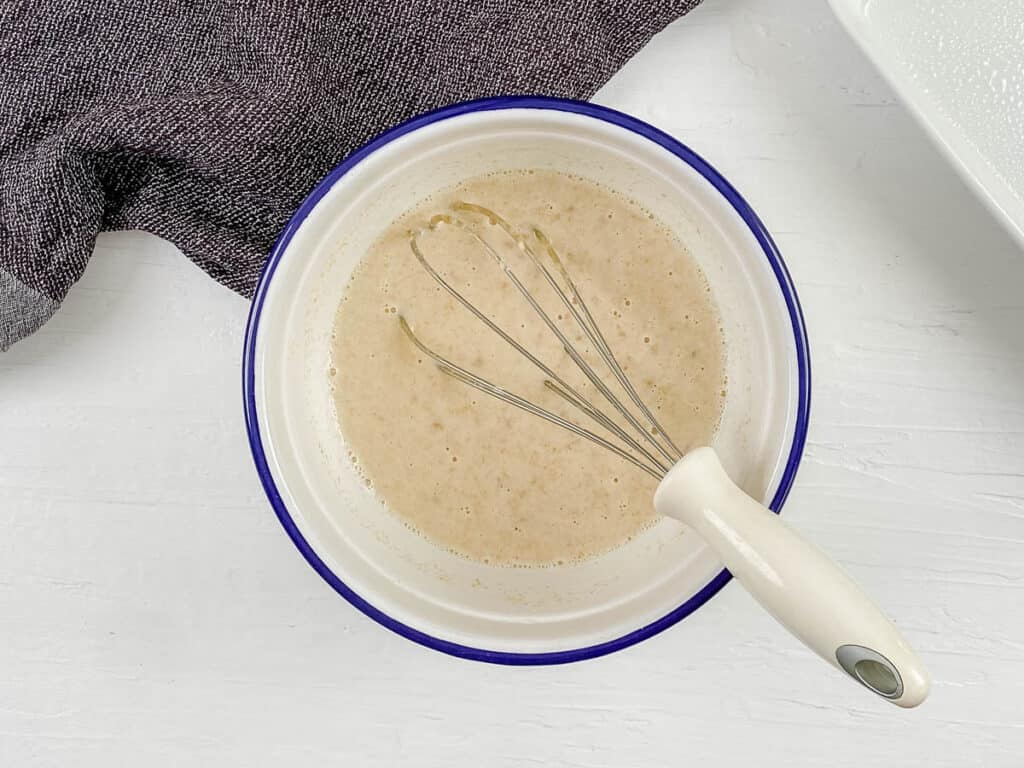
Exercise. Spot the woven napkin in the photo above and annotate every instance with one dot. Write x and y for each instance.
(206, 123)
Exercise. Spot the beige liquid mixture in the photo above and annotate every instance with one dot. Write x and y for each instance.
(478, 476)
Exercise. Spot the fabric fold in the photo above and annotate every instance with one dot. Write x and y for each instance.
(207, 123)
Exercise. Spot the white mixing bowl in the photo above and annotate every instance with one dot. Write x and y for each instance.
(470, 609)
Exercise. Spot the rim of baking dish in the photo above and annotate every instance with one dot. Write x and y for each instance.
(607, 115)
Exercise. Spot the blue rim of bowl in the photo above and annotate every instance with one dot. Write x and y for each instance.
(607, 115)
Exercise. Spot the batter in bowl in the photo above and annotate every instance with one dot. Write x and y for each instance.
(475, 475)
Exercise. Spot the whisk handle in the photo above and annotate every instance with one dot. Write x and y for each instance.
(803, 589)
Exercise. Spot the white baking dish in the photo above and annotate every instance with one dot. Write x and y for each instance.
(959, 68)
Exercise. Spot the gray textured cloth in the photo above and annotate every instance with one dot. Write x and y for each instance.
(207, 122)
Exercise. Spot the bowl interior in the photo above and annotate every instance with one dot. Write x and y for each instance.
(390, 570)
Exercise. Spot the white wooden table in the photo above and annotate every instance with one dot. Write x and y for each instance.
(153, 613)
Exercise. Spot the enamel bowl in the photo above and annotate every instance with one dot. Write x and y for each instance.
(398, 578)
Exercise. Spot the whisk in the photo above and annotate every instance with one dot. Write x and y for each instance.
(802, 588)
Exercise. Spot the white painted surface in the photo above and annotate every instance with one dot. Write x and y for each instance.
(153, 613)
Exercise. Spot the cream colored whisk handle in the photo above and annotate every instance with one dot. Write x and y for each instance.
(803, 589)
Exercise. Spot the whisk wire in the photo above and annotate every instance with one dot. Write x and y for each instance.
(597, 338)
(580, 312)
(569, 392)
(478, 382)
(568, 346)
